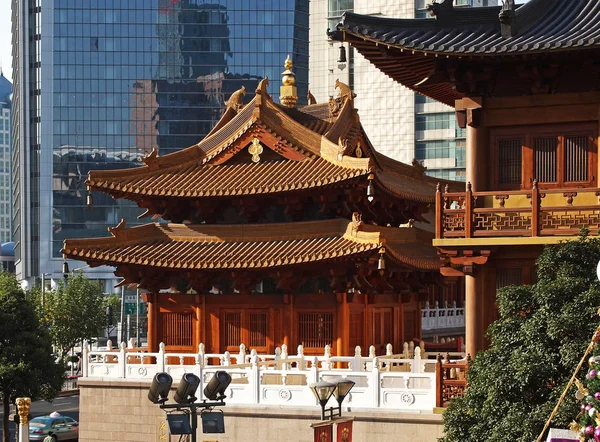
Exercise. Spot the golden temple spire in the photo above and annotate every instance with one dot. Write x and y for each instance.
(288, 94)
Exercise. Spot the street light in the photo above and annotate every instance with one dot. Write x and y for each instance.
(324, 390)
(186, 401)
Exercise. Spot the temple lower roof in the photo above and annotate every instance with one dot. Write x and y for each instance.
(214, 247)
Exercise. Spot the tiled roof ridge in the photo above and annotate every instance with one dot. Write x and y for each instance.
(540, 26)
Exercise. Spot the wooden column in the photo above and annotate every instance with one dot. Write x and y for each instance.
(477, 172)
(152, 322)
(343, 324)
(473, 312)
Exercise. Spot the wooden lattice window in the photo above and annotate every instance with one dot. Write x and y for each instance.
(315, 330)
(509, 161)
(232, 333)
(258, 330)
(508, 276)
(177, 329)
(576, 158)
(248, 327)
(545, 154)
(382, 327)
(555, 157)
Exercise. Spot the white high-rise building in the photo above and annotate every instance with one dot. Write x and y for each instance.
(5, 159)
(399, 123)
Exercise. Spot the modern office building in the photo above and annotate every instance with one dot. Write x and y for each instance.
(101, 83)
(5, 156)
(414, 126)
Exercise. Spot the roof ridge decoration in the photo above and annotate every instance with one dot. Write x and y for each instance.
(120, 230)
(442, 10)
(261, 91)
(235, 101)
(508, 24)
(151, 160)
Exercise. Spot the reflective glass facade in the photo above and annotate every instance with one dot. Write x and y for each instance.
(125, 76)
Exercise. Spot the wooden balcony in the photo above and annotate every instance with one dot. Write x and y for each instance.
(534, 216)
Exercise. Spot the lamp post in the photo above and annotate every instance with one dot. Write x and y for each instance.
(43, 275)
(324, 390)
(186, 401)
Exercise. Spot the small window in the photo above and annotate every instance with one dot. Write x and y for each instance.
(315, 330)
(576, 158)
(509, 161)
(232, 334)
(177, 329)
(545, 151)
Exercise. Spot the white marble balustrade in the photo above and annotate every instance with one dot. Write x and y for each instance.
(442, 317)
(404, 381)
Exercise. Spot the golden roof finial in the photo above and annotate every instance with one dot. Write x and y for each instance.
(288, 95)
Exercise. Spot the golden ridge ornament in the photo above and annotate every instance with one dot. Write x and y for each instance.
(255, 150)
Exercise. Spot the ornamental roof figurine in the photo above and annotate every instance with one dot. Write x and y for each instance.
(288, 94)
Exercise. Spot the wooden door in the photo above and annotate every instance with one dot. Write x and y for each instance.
(382, 328)
(245, 326)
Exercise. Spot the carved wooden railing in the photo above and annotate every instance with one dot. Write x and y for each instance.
(486, 214)
(452, 379)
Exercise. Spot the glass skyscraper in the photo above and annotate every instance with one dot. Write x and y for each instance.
(100, 83)
(5, 156)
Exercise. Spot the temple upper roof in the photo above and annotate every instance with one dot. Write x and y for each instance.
(482, 51)
(262, 147)
(541, 26)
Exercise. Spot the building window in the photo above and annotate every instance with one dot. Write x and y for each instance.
(563, 159)
(177, 329)
(315, 330)
(509, 161)
(248, 327)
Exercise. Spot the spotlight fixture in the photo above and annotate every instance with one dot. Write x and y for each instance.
(215, 389)
(187, 389)
(159, 390)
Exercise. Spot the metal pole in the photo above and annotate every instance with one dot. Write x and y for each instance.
(122, 312)
(137, 318)
(194, 413)
(43, 295)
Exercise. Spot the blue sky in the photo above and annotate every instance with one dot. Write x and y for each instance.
(5, 50)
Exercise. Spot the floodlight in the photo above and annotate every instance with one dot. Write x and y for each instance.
(187, 389)
(159, 390)
(179, 423)
(215, 389)
(213, 422)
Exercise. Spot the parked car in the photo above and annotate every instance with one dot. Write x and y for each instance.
(63, 427)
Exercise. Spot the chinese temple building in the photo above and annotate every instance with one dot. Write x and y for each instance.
(283, 226)
(524, 81)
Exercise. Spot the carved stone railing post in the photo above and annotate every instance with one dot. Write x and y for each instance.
(327, 365)
(357, 364)
(85, 359)
(416, 364)
(242, 354)
(160, 359)
(314, 371)
(284, 356)
(202, 355)
(226, 361)
(468, 212)
(122, 360)
(301, 361)
(255, 376)
(277, 358)
(375, 382)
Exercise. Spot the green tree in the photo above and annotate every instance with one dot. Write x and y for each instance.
(537, 342)
(74, 312)
(27, 367)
